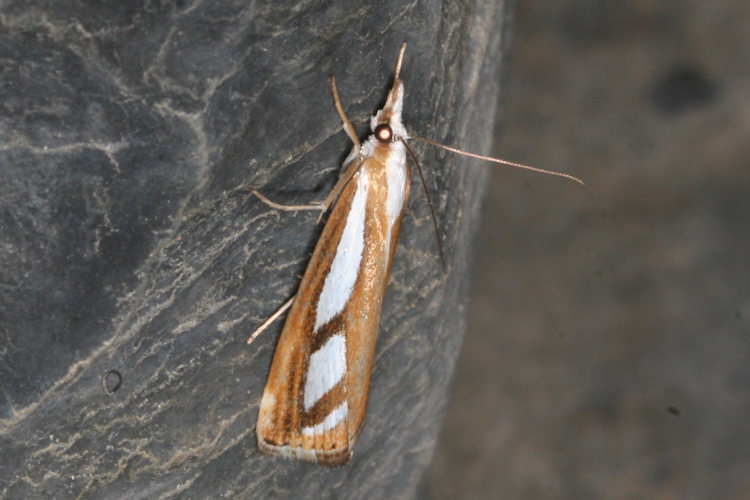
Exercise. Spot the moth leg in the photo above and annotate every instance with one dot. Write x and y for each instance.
(344, 180)
(290, 208)
(346, 123)
(271, 319)
(322, 206)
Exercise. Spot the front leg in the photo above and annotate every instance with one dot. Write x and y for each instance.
(321, 206)
(290, 208)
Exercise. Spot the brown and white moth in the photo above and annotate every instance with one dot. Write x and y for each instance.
(313, 407)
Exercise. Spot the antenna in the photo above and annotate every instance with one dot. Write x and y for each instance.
(498, 160)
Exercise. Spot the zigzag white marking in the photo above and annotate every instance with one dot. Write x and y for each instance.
(339, 283)
(326, 368)
(330, 422)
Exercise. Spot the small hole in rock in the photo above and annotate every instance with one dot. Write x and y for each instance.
(112, 381)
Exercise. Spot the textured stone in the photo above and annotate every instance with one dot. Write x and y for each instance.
(135, 261)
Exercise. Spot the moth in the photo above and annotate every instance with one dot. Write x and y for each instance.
(314, 403)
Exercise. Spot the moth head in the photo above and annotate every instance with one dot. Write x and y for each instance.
(386, 124)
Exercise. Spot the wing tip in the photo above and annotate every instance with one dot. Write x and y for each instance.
(334, 457)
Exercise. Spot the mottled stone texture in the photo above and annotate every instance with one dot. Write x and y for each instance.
(135, 261)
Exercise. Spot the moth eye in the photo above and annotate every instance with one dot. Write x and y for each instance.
(383, 132)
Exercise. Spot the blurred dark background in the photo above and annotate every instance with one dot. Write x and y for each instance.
(607, 350)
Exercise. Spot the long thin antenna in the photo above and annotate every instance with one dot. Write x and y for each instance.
(497, 160)
(400, 60)
(429, 203)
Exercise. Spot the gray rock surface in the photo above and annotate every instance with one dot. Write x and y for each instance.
(134, 261)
